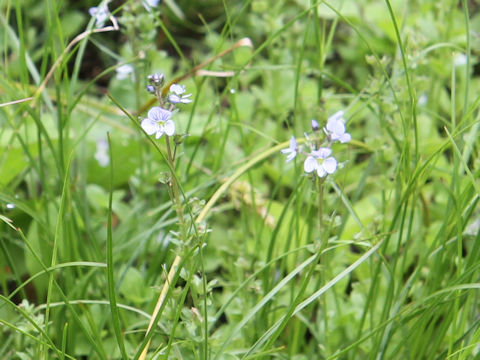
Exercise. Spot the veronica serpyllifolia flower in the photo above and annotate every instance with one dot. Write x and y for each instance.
(156, 79)
(101, 155)
(336, 128)
(315, 125)
(321, 162)
(158, 122)
(125, 71)
(101, 14)
(177, 96)
(148, 4)
(291, 150)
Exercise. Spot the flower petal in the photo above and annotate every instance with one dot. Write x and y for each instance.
(174, 99)
(184, 99)
(310, 164)
(293, 143)
(177, 89)
(321, 171)
(291, 156)
(322, 153)
(160, 132)
(330, 165)
(345, 138)
(157, 113)
(337, 116)
(169, 128)
(149, 126)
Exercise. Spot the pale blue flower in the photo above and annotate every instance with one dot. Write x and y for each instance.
(125, 71)
(158, 122)
(101, 15)
(148, 4)
(291, 150)
(315, 125)
(177, 96)
(321, 162)
(101, 155)
(336, 128)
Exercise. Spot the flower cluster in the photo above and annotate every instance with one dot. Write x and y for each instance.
(100, 13)
(320, 159)
(158, 120)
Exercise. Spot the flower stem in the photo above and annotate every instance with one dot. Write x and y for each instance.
(320, 182)
(177, 202)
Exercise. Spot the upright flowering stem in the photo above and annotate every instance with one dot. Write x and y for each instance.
(320, 182)
(176, 193)
(159, 123)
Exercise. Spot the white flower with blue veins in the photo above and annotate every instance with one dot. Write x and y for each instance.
(101, 15)
(321, 162)
(176, 95)
(336, 128)
(148, 4)
(125, 71)
(291, 150)
(158, 122)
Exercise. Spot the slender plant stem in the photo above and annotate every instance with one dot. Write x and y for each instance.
(177, 202)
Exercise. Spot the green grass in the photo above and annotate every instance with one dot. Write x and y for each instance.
(379, 261)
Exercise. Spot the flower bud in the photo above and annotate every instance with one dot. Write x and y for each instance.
(151, 89)
(156, 79)
(315, 125)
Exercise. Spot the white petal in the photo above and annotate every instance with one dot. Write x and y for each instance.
(291, 156)
(330, 165)
(160, 132)
(337, 116)
(293, 143)
(186, 101)
(174, 99)
(321, 172)
(177, 89)
(169, 128)
(322, 153)
(92, 11)
(310, 164)
(149, 126)
(345, 138)
(157, 113)
(286, 151)
(123, 71)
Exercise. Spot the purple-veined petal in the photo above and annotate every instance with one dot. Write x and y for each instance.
(157, 113)
(336, 126)
(322, 153)
(330, 165)
(149, 126)
(169, 128)
(310, 164)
